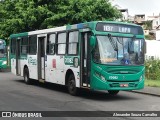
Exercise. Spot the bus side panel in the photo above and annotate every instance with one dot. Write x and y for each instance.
(32, 66)
(76, 74)
(59, 69)
(77, 77)
(13, 65)
(50, 69)
(55, 72)
(76, 70)
(24, 62)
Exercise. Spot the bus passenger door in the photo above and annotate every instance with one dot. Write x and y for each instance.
(85, 59)
(41, 57)
(18, 67)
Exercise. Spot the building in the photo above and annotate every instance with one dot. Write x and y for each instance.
(150, 18)
(139, 19)
(156, 23)
(152, 49)
(125, 14)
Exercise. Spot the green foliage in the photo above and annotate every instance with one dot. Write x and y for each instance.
(149, 37)
(152, 69)
(148, 25)
(27, 15)
(152, 83)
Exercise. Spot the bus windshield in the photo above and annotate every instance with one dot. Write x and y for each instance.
(119, 50)
(2, 53)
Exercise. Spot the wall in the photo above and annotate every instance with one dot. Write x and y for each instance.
(152, 49)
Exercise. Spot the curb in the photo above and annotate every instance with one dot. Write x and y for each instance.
(146, 93)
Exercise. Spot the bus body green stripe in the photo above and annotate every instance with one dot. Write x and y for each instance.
(19, 35)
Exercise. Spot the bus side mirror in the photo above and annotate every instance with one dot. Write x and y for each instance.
(93, 41)
(145, 47)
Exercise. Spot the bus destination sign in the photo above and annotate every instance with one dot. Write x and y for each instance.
(120, 28)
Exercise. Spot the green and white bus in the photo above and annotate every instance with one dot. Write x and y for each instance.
(98, 55)
(3, 54)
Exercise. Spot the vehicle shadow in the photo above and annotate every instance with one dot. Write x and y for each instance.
(86, 93)
(7, 70)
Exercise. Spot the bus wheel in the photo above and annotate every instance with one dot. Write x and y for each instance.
(27, 80)
(113, 92)
(72, 85)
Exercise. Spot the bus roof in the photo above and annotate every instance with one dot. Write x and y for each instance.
(91, 25)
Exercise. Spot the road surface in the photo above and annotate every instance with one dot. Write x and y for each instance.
(15, 95)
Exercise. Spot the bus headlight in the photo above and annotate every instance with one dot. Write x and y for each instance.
(4, 62)
(103, 78)
(141, 78)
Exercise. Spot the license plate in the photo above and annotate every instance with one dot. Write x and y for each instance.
(123, 85)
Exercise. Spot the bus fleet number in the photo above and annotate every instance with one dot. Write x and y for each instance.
(113, 77)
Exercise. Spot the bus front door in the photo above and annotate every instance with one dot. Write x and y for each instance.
(18, 69)
(41, 57)
(85, 60)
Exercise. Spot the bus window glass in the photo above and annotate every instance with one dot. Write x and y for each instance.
(73, 43)
(24, 45)
(2, 49)
(119, 51)
(13, 46)
(24, 49)
(61, 43)
(2, 53)
(62, 38)
(51, 44)
(33, 45)
(61, 48)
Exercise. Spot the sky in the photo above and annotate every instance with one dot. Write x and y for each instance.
(147, 7)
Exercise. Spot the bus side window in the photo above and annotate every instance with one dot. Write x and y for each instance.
(73, 43)
(96, 55)
(32, 45)
(24, 45)
(13, 45)
(51, 44)
(61, 44)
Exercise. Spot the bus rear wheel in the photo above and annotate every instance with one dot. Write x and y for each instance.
(113, 92)
(72, 89)
(27, 80)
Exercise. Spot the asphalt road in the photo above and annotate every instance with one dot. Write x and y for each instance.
(15, 95)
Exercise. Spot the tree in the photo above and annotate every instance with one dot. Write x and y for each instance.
(148, 25)
(27, 15)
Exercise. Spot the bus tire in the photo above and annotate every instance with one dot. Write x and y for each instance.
(27, 80)
(72, 89)
(113, 92)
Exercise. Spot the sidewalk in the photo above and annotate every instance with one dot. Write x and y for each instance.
(149, 90)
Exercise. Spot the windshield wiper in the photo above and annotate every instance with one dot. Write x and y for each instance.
(113, 43)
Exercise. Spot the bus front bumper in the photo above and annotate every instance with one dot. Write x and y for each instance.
(105, 85)
(3, 66)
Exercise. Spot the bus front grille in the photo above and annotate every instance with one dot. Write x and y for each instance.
(122, 70)
(122, 80)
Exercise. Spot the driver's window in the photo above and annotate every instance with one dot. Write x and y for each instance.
(96, 55)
